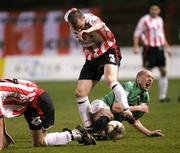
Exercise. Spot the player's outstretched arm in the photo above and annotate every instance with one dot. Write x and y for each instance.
(142, 108)
(1, 134)
(140, 127)
(5, 138)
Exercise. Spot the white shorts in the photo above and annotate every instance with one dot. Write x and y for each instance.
(98, 104)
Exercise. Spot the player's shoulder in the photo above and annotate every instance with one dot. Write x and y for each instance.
(145, 17)
(128, 84)
(160, 18)
(91, 18)
(89, 15)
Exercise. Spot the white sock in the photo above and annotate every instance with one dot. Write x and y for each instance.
(57, 138)
(163, 86)
(120, 94)
(84, 107)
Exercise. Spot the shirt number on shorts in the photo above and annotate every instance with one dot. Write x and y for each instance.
(112, 58)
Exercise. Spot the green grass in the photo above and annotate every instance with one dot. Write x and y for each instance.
(164, 116)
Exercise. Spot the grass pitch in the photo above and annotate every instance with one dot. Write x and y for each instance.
(164, 116)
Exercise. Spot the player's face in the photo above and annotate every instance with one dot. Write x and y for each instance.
(146, 80)
(80, 24)
(154, 11)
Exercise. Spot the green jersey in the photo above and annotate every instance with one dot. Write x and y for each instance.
(135, 96)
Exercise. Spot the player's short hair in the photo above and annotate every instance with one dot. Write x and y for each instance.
(74, 16)
(139, 74)
(155, 3)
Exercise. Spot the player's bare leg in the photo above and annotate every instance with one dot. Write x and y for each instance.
(82, 92)
(110, 75)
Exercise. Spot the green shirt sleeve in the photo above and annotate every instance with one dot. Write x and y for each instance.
(109, 99)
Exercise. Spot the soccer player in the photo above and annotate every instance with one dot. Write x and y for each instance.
(107, 109)
(150, 30)
(102, 57)
(19, 97)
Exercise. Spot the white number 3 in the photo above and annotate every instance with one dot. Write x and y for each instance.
(112, 58)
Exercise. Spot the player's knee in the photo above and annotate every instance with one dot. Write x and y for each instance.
(80, 93)
(110, 80)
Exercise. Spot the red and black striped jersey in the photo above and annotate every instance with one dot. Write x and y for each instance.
(151, 31)
(16, 95)
(96, 43)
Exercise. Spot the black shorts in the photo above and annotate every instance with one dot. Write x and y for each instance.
(41, 115)
(94, 69)
(153, 56)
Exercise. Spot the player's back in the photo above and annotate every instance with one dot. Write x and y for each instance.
(16, 95)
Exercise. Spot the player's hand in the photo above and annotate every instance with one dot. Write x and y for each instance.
(127, 112)
(136, 49)
(156, 133)
(168, 50)
(8, 140)
(128, 116)
(82, 35)
(144, 108)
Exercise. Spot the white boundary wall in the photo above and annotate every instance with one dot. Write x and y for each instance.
(47, 68)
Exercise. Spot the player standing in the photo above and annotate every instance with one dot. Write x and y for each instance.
(150, 29)
(102, 57)
(19, 97)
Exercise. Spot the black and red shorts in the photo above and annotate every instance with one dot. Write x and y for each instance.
(40, 116)
(94, 69)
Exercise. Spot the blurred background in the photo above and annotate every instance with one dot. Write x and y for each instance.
(36, 44)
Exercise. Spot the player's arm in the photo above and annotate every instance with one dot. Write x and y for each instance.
(167, 47)
(1, 133)
(5, 138)
(136, 44)
(141, 128)
(137, 34)
(143, 107)
(96, 25)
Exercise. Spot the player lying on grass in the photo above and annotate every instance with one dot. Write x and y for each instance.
(19, 97)
(107, 109)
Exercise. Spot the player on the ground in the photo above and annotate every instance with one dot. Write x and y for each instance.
(150, 30)
(19, 97)
(102, 57)
(107, 108)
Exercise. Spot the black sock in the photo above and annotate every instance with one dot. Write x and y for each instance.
(100, 124)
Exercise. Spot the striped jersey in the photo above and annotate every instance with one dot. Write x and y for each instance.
(151, 31)
(96, 43)
(16, 95)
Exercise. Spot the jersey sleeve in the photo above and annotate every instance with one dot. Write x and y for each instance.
(140, 27)
(92, 19)
(1, 107)
(109, 98)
